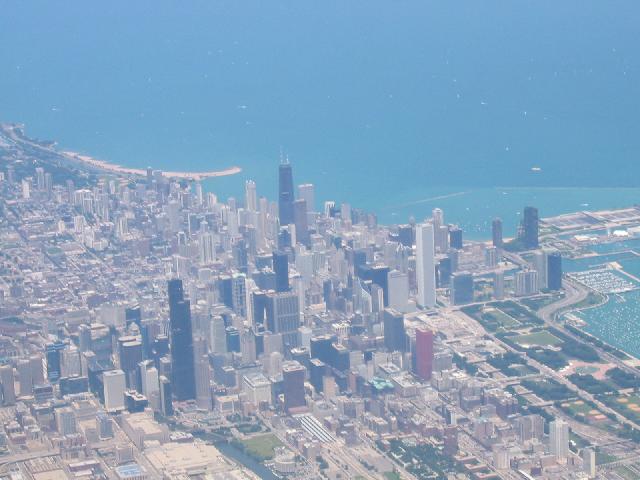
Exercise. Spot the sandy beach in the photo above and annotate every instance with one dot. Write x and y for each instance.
(118, 169)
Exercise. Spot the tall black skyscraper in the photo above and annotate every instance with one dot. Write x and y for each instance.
(496, 232)
(530, 227)
(281, 269)
(285, 194)
(554, 271)
(182, 365)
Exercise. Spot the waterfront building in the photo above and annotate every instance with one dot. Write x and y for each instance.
(554, 271)
(530, 228)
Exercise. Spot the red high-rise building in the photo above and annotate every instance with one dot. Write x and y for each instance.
(424, 353)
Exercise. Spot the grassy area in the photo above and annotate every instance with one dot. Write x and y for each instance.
(585, 412)
(511, 364)
(391, 476)
(603, 457)
(548, 389)
(537, 339)
(262, 446)
(626, 405)
(519, 312)
(623, 379)
(536, 303)
(590, 384)
(495, 315)
(491, 318)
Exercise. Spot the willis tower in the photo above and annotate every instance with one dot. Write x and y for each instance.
(182, 366)
(285, 193)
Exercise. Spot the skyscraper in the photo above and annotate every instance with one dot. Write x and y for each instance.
(461, 288)
(114, 387)
(52, 355)
(306, 191)
(425, 265)
(285, 193)
(540, 266)
(300, 221)
(293, 378)
(530, 227)
(455, 237)
(166, 406)
(395, 339)
(589, 462)
(559, 439)
(496, 232)
(182, 364)
(424, 353)
(7, 385)
(554, 271)
(378, 274)
(283, 316)
(251, 199)
(281, 269)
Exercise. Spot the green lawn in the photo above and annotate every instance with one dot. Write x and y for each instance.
(538, 339)
(498, 316)
(261, 446)
(391, 476)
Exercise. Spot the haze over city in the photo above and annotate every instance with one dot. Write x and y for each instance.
(301, 240)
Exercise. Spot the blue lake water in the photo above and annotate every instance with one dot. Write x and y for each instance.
(396, 107)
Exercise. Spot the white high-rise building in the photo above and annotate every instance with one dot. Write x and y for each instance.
(306, 192)
(425, 265)
(26, 188)
(559, 439)
(589, 462)
(217, 335)
(114, 388)
(398, 284)
(207, 248)
(203, 383)
(540, 266)
(251, 199)
(150, 383)
(526, 282)
(438, 218)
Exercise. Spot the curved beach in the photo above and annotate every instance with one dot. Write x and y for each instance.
(118, 169)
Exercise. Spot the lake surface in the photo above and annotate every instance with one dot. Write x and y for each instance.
(386, 105)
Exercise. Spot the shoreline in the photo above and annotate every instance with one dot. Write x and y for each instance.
(15, 132)
(118, 169)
